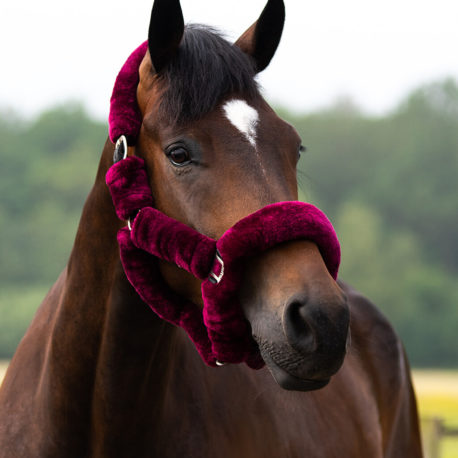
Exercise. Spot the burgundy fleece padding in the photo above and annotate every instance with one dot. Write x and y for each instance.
(129, 186)
(125, 118)
(174, 242)
(220, 332)
(142, 271)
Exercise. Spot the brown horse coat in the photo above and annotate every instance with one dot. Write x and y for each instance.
(98, 374)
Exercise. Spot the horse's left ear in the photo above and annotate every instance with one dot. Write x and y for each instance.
(261, 40)
(165, 32)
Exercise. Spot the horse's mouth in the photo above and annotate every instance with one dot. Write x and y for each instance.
(290, 382)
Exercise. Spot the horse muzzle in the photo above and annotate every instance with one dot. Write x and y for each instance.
(298, 313)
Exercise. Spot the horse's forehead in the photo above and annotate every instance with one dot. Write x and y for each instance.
(244, 117)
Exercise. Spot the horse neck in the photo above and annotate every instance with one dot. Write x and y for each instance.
(105, 340)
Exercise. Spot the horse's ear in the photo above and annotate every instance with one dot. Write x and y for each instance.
(165, 32)
(261, 40)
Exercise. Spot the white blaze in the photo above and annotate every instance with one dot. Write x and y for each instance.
(243, 117)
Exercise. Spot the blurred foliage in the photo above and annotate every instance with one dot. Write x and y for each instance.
(17, 307)
(47, 168)
(387, 183)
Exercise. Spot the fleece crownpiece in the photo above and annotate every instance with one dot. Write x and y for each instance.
(219, 331)
(125, 117)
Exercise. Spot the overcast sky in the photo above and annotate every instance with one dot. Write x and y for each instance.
(374, 51)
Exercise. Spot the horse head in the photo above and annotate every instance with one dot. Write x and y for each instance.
(215, 152)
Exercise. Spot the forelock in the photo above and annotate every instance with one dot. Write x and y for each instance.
(205, 69)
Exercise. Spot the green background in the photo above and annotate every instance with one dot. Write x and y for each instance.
(388, 184)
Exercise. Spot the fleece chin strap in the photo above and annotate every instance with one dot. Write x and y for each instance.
(220, 331)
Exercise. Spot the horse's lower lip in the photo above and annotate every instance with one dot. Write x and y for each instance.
(290, 382)
(293, 383)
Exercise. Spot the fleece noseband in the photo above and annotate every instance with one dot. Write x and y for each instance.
(219, 331)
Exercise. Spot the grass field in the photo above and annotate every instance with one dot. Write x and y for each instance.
(437, 394)
(3, 366)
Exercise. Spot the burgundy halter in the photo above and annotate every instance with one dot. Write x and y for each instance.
(220, 331)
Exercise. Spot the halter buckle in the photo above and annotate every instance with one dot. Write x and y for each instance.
(120, 151)
(216, 278)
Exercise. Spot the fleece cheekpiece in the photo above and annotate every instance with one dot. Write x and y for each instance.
(219, 331)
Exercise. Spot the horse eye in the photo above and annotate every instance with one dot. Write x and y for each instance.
(179, 156)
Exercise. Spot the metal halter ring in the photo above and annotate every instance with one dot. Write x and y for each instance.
(219, 363)
(215, 279)
(131, 218)
(120, 151)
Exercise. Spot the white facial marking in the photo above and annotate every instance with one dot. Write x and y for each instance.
(243, 117)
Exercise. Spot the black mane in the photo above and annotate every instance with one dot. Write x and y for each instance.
(205, 69)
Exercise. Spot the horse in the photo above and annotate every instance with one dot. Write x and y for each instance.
(98, 374)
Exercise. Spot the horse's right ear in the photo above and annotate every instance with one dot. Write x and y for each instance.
(166, 30)
(261, 40)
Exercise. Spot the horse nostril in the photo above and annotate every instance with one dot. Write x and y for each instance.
(317, 324)
(297, 328)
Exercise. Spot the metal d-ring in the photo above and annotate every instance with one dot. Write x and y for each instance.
(215, 279)
(132, 217)
(120, 151)
(219, 363)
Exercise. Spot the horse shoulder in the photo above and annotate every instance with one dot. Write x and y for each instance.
(380, 352)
